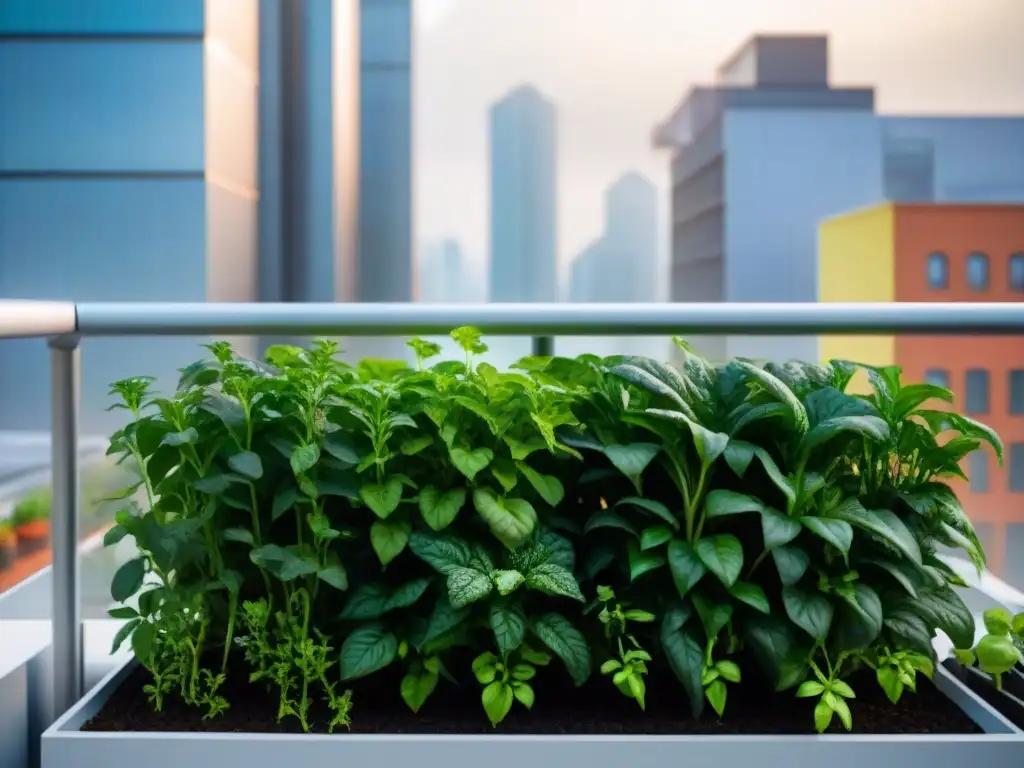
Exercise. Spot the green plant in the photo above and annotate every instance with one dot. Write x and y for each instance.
(1001, 648)
(318, 522)
(32, 507)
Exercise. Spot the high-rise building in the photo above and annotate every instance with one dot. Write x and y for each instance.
(945, 252)
(445, 277)
(523, 222)
(761, 156)
(631, 232)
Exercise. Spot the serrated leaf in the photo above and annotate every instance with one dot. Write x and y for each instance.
(552, 579)
(566, 642)
(441, 552)
(467, 585)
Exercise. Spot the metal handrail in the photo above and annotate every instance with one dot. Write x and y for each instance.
(66, 322)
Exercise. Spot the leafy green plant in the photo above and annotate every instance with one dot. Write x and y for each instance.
(314, 523)
(1001, 648)
(32, 507)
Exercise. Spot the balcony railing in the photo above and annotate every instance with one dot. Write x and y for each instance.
(65, 323)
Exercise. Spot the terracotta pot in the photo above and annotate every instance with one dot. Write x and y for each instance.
(33, 537)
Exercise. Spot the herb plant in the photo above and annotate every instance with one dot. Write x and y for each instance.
(313, 522)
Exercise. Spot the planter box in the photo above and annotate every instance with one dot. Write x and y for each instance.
(64, 745)
(1009, 701)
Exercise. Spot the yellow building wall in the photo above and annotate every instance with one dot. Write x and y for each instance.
(856, 260)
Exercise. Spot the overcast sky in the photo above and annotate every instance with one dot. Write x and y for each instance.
(616, 68)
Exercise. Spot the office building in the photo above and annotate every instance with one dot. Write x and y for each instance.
(761, 156)
(445, 274)
(929, 252)
(524, 200)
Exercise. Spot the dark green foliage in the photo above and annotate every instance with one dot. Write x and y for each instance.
(571, 515)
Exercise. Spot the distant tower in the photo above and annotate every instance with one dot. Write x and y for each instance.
(444, 276)
(523, 198)
(631, 206)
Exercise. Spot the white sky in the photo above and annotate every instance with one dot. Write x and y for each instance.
(615, 68)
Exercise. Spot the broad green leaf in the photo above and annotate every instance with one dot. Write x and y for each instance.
(907, 578)
(996, 654)
(738, 454)
(241, 535)
(685, 658)
(720, 503)
(552, 579)
(507, 581)
(606, 518)
(687, 568)
(439, 509)
(778, 390)
(213, 484)
(176, 439)
(810, 611)
(285, 500)
(655, 508)
(286, 563)
(860, 617)
(467, 585)
(123, 633)
(880, 522)
(505, 472)
(128, 579)
(998, 621)
(560, 549)
(407, 594)
(443, 619)
(838, 533)
(340, 447)
(382, 498)
(716, 694)
(142, 640)
(548, 487)
(950, 614)
(631, 460)
(910, 630)
(303, 458)
(389, 538)
(714, 614)
(497, 701)
(247, 464)
(416, 688)
(722, 555)
(777, 649)
(778, 529)
(333, 573)
(870, 427)
(775, 474)
(655, 536)
(709, 445)
(512, 521)
(509, 626)
(441, 552)
(470, 463)
(654, 382)
(641, 562)
(752, 595)
(366, 650)
(566, 642)
(114, 535)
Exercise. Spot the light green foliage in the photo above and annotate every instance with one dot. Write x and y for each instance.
(1001, 648)
(322, 522)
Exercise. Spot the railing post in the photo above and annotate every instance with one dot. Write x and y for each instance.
(68, 662)
(543, 346)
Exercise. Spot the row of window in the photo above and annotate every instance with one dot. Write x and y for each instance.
(979, 464)
(976, 389)
(977, 270)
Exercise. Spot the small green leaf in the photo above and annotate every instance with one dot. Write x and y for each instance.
(467, 585)
(441, 552)
(685, 659)
(512, 521)
(389, 538)
(566, 642)
(655, 536)
(142, 640)
(247, 464)
(128, 579)
(304, 458)
(880, 522)
(497, 701)
(721, 503)
(687, 568)
(470, 463)
(416, 688)
(606, 518)
(548, 487)
(382, 499)
(333, 573)
(552, 579)
(778, 529)
(722, 555)
(407, 594)
(822, 716)
(838, 533)
(285, 500)
(655, 508)
(996, 654)
(752, 595)
(716, 693)
(809, 688)
(998, 621)
(286, 563)
(242, 535)
(507, 581)
(366, 650)
(509, 626)
(114, 535)
(642, 562)
(810, 611)
(889, 680)
(339, 446)
(439, 509)
(524, 694)
(123, 633)
(791, 563)
(631, 460)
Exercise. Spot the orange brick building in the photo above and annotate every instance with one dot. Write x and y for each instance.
(940, 252)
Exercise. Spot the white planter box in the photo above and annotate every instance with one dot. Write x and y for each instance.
(66, 746)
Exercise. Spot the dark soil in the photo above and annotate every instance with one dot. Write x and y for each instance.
(597, 708)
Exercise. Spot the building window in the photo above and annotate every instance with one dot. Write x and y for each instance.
(976, 384)
(938, 377)
(1017, 272)
(977, 271)
(977, 471)
(1016, 467)
(938, 270)
(1016, 387)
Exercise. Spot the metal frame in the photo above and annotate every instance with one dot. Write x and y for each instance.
(66, 322)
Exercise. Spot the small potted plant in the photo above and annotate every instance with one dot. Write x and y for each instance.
(999, 675)
(31, 520)
(8, 545)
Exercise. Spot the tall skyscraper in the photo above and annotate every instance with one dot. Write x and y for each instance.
(445, 277)
(523, 198)
(631, 232)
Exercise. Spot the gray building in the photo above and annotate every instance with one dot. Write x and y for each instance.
(763, 155)
(445, 276)
(197, 150)
(523, 168)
